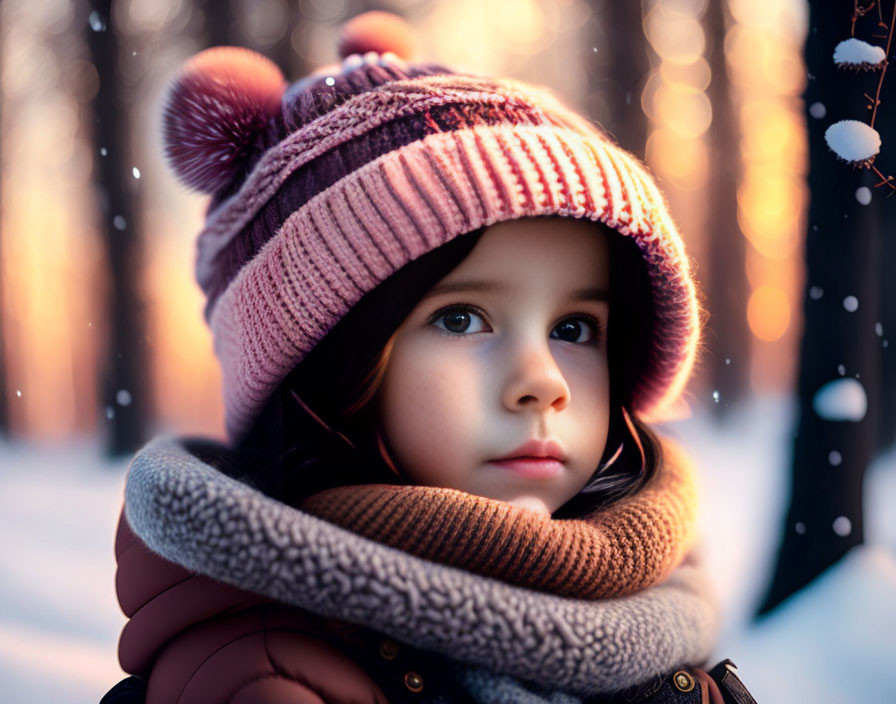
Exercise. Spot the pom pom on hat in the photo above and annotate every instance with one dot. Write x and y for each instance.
(377, 31)
(222, 99)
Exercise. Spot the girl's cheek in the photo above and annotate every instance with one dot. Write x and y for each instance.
(431, 399)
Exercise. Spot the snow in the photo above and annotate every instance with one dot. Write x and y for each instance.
(841, 399)
(851, 304)
(831, 643)
(863, 195)
(852, 140)
(842, 526)
(59, 620)
(818, 110)
(97, 24)
(854, 52)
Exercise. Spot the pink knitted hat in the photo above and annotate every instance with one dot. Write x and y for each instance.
(323, 190)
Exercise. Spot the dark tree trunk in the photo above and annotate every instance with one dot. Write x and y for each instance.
(824, 516)
(886, 435)
(617, 64)
(218, 16)
(124, 386)
(728, 337)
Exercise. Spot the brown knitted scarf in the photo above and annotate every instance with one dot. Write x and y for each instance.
(627, 546)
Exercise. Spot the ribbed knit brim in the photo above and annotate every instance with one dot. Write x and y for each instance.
(370, 168)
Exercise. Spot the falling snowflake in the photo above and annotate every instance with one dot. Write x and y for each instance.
(863, 195)
(136, 172)
(97, 24)
(841, 400)
(800, 528)
(816, 292)
(817, 110)
(119, 223)
(835, 458)
(851, 304)
(123, 397)
(854, 53)
(853, 141)
(842, 526)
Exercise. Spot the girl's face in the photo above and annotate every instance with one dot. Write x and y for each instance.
(509, 347)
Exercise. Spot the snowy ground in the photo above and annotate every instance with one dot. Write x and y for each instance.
(833, 643)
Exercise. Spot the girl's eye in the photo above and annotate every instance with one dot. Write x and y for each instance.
(580, 330)
(461, 320)
(457, 320)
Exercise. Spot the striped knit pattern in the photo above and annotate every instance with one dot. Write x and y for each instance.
(388, 164)
(628, 546)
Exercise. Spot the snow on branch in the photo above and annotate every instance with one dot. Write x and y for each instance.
(853, 141)
(857, 54)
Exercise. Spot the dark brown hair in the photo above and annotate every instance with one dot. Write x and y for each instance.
(319, 429)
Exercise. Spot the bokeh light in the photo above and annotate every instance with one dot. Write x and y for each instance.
(768, 313)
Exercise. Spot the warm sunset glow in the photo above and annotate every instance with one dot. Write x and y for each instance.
(763, 49)
(684, 161)
(676, 34)
(768, 313)
(674, 100)
(51, 252)
(767, 214)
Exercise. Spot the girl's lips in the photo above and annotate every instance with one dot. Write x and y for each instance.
(531, 467)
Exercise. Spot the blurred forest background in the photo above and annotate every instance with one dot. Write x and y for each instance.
(101, 332)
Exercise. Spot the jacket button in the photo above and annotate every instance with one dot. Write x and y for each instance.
(683, 681)
(389, 649)
(413, 681)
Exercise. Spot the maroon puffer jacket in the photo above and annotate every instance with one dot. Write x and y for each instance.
(198, 641)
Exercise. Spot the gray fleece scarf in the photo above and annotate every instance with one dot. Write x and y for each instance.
(500, 635)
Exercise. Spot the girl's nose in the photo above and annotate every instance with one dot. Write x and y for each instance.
(534, 380)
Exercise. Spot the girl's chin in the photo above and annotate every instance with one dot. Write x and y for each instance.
(532, 504)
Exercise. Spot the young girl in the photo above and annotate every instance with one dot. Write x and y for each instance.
(444, 305)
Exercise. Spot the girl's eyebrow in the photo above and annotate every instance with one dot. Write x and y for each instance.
(592, 293)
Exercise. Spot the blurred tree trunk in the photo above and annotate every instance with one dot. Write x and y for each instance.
(886, 333)
(124, 386)
(617, 65)
(824, 517)
(223, 20)
(728, 337)
(283, 52)
(886, 436)
(218, 21)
